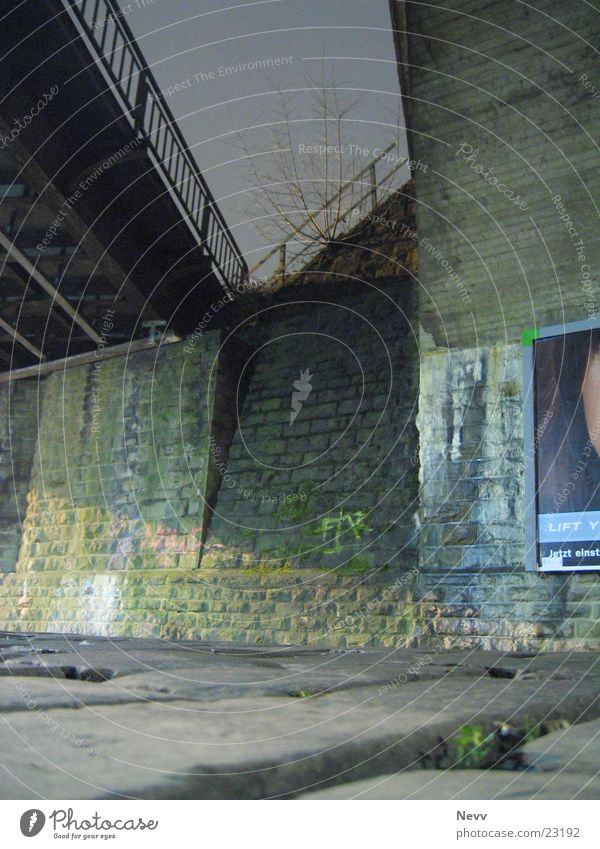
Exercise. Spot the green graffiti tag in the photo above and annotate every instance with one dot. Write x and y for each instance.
(352, 526)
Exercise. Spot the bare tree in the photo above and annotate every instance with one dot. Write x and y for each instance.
(304, 181)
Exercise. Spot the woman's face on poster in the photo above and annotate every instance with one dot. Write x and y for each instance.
(590, 393)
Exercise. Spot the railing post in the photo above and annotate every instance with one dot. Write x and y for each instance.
(141, 97)
(204, 223)
(373, 181)
(158, 129)
(282, 252)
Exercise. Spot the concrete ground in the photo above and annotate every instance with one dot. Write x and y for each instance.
(91, 717)
(564, 764)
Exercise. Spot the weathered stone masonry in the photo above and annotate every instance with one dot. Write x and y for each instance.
(472, 580)
(133, 469)
(116, 492)
(190, 506)
(350, 451)
(319, 515)
(504, 79)
(18, 432)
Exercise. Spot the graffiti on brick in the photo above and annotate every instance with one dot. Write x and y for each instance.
(343, 531)
(172, 541)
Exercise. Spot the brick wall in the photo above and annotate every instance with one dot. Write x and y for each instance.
(472, 586)
(337, 486)
(315, 540)
(115, 526)
(18, 431)
(118, 484)
(504, 79)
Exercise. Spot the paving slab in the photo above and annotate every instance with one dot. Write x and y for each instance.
(216, 720)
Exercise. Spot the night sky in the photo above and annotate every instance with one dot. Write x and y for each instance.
(187, 42)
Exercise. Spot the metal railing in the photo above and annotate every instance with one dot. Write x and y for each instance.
(124, 63)
(291, 262)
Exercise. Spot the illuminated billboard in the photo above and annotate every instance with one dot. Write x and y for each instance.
(562, 448)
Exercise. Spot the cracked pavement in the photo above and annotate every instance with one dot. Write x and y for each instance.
(91, 717)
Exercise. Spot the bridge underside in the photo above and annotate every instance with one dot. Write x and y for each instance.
(84, 202)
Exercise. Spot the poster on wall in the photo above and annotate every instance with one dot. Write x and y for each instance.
(564, 453)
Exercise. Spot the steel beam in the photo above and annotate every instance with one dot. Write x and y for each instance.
(39, 278)
(21, 339)
(90, 356)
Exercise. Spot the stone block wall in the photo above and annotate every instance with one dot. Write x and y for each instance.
(331, 481)
(309, 608)
(504, 128)
(118, 484)
(472, 587)
(18, 433)
(503, 121)
(134, 460)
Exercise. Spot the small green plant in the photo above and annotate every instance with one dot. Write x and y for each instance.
(531, 730)
(473, 747)
(300, 694)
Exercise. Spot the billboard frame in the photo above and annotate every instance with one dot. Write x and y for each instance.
(530, 513)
